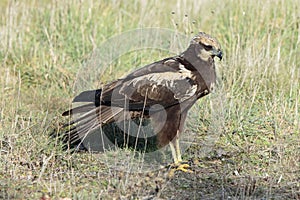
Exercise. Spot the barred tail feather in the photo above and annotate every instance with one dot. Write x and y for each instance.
(86, 122)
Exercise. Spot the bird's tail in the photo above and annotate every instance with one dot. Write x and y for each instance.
(89, 116)
(89, 96)
(92, 96)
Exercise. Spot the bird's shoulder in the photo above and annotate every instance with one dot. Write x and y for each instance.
(170, 64)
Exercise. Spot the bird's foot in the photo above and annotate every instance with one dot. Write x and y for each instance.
(181, 166)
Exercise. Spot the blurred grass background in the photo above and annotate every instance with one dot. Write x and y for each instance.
(44, 43)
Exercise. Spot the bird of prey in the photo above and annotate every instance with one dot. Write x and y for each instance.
(163, 91)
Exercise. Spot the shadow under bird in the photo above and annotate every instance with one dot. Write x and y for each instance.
(163, 92)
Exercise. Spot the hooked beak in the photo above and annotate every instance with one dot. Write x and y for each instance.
(218, 53)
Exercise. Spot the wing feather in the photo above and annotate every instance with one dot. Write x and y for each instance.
(166, 83)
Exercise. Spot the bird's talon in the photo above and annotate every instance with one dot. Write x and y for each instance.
(179, 167)
(183, 167)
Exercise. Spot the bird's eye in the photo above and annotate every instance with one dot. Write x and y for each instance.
(207, 47)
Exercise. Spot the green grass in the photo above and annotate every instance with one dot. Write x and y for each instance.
(44, 43)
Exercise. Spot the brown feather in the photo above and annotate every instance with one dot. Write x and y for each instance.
(173, 83)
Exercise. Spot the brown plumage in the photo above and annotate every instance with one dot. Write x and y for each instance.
(173, 83)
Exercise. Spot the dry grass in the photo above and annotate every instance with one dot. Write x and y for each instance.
(254, 114)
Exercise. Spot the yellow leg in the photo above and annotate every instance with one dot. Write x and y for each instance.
(176, 153)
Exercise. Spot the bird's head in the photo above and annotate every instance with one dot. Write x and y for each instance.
(207, 46)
